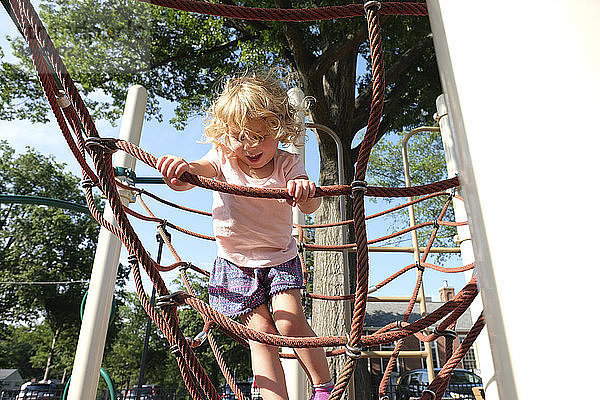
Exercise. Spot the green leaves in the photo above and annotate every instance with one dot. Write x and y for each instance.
(40, 245)
(425, 155)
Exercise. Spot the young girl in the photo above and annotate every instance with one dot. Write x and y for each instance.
(257, 274)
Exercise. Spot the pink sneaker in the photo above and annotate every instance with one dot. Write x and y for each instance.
(322, 393)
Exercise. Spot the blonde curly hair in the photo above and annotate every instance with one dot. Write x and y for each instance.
(252, 97)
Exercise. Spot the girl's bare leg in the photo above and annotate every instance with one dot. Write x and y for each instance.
(266, 365)
(290, 321)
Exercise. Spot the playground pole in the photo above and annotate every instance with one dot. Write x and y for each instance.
(295, 377)
(482, 344)
(522, 85)
(92, 336)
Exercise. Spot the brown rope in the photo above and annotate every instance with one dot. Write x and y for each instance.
(290, 15)
(75, 122)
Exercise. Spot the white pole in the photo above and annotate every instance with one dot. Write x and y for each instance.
(523, 91)
(482, 345)
(295, 377)
(92, 336)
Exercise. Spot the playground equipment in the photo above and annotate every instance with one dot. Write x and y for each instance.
(496, 109)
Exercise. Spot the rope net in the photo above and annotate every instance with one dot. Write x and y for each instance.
(83, 140)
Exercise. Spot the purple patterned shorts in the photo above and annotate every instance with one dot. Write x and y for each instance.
(235, 291)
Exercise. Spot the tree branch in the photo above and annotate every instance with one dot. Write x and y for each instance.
(391, 106)
(302, 56)
(405, 61)
(338, 51)
(182, 55)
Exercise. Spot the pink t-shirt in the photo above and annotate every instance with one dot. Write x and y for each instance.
(254, 232)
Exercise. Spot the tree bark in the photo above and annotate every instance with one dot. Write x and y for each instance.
(335, 107)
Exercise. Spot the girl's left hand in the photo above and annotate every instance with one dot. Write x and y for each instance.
(300, 190)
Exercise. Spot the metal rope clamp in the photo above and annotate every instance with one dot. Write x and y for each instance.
(132, 259)
(62, 99)
(419, 266)
(106, 145)
(353, 352)
(370, 4)
(199, 339)
(88, 183)
(175, 350)
(171, 300)
(184, 267)
(447, 333)
(126, 173)
(359, 186)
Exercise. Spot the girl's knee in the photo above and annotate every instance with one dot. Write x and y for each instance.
(260, 320)
(293, 325)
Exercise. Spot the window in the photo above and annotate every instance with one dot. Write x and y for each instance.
(434, 354)
(470, 360)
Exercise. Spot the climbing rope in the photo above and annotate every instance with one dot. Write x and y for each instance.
(83, 140)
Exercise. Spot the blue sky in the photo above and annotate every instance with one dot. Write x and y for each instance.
(160, 138)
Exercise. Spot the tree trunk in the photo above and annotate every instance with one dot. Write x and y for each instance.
(335, 108)
(51, 355)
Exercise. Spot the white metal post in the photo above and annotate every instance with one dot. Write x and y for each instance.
(482, 345)
(523, 90)
(92, 336)
(295, 377)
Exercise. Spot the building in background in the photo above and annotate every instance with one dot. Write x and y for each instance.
(380, 314)
(10, 379)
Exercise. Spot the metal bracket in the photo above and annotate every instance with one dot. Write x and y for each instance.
(171, 300)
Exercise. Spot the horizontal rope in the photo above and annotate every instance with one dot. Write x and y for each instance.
(289, 14)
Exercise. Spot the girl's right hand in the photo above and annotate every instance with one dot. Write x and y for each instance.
(171, 168)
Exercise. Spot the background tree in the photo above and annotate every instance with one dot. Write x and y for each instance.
(124, 354)
(109, 45)
(427, 164)
(43, 244)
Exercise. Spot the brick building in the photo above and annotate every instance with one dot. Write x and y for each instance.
(379, 314)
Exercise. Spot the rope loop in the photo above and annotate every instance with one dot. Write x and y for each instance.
(171, 300)
(429, 392)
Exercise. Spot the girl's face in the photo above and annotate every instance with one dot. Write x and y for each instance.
(253, 146)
